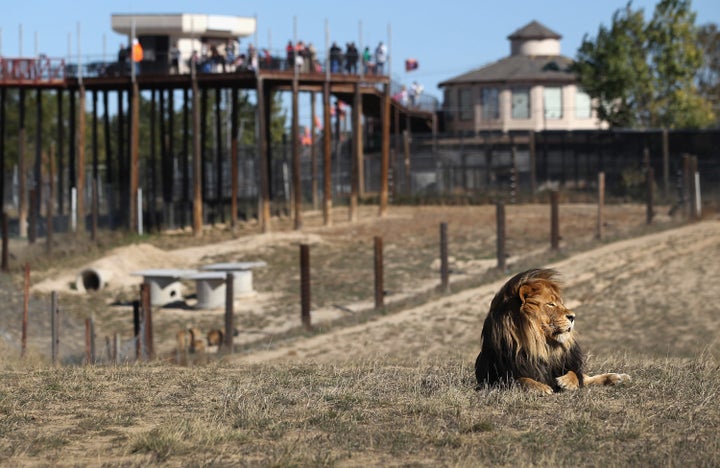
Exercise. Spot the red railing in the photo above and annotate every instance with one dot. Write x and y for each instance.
(34, 71)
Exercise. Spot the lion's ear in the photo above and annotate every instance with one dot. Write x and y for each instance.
(524, 292)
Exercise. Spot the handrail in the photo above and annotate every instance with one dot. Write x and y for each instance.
(42, 70)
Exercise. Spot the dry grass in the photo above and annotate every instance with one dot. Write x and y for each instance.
(406, 405)
(357, 413)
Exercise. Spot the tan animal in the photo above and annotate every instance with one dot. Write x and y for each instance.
(215, 337)
(529, 338)
(197, 344)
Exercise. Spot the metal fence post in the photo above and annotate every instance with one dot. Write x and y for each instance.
(444, 268)
(379, 274)
(500, 221)
(229, 312)
(305, 286)
(554, 220)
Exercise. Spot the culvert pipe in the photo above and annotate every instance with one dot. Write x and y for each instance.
(92, 279)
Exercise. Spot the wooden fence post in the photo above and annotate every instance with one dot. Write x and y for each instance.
(305, 286)
(89, 342)
(444, 268)
(136, 329)
(554, 220)
(147, 322)
(26, 304)
(5, 253)
(599, 233)
(649, 179)
(500, 222)
(379, 274)
(54, 325)
(229, 312)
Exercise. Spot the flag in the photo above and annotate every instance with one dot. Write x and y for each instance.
(411, 64)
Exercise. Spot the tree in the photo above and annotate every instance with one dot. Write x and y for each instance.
(708, 76)
(642, 74)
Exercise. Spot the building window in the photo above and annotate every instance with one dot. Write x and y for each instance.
(552, 96)
(466, 104)
(583, 106)
(490, 104)
(450, 108)
(520, 103)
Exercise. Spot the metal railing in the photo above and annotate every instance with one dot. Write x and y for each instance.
(31, 70)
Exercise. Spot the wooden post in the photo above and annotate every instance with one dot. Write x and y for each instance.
(137, 312)
(355, 158)
(5, 252)
(147, 322)
(297, 187)
(305, 286)
(649, 179)
(384, 171)
(600, 228)
(80, 137)
(116, 348)
(219, 211)
(32, 221)
(54, 326)
(26, 304)
(264, 209)
(234, 158)
(197, 218)
(379, 274)
(50, 201)
(89, 352)
(95, 207)
(134, 156)
(687, 185)
(2, 148)
(444, 267)
(22, 188)
(229, 312)
(554, 220)
(533, 169)
(666, 162)
(694, 189)
(406, 154)
(37, 176)
(500, 223)
(327, 155)
(313, 153)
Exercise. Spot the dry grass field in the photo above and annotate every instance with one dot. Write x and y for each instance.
(377, 388)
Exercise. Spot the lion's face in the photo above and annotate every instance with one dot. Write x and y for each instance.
(543, 306)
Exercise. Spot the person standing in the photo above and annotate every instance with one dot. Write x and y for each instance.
(380, 58)
(174, 59)
(137, 55)
(366, 60)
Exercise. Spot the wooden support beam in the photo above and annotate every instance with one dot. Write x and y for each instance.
(234, 159)
(327, 150)
(313, 153)
(297, 188)
(264, 214)
(22, 189)
(385, 144)
(355, 159)
(134, 156)
(197, 160)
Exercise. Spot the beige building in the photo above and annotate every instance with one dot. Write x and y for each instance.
(531, 89)
(159, 33)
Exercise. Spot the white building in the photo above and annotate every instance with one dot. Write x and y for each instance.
(531, 89)
(158, 33)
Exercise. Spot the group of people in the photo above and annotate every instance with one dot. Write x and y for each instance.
(225, 56)
(217, 58)
(372, 63)
(409, 97)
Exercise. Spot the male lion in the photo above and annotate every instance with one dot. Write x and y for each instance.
(528, 337)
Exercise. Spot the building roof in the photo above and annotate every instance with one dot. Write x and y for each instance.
(534, 30)
(519, 68)
(184, 25)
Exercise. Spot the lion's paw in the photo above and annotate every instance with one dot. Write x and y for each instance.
(568, 381)
(614, 379)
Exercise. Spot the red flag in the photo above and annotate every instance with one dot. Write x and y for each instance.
(411, 64)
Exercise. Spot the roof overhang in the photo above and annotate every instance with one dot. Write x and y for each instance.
(184, 25)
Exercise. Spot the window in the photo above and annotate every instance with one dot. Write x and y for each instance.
(490, 104)
(466, 104)
(521, 103)
(583, 106)
(450, 99)
(552, 96)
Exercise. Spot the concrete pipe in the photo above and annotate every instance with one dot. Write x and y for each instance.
(91, 279)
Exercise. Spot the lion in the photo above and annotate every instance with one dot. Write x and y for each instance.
(528, 338)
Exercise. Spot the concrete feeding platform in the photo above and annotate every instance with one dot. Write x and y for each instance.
(243, 284)
(165, 286)
(210, 289)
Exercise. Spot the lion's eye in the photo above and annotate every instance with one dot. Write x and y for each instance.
(551, 304)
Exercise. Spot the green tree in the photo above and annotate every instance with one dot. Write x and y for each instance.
(642, 74)
(708, 76)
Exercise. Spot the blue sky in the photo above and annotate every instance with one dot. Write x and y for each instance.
(447, 38)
